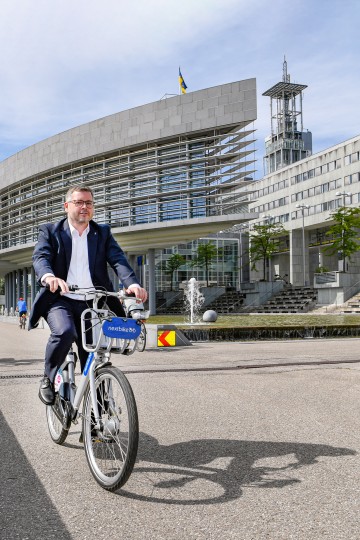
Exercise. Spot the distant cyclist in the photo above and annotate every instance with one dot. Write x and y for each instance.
(21, 308)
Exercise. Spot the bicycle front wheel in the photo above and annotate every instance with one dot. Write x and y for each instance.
(111, 448)
(141, 341)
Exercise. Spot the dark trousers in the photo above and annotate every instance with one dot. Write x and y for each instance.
(63, 318)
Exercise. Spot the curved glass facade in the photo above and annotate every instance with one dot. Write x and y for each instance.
(188, 177)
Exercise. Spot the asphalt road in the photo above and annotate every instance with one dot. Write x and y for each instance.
(229, 449)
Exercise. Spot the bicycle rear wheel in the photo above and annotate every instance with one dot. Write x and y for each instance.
(111, 451)
(55, 416)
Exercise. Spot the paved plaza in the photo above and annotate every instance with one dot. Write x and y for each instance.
(248, 441)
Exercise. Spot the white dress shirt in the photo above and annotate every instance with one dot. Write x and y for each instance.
(79, 272)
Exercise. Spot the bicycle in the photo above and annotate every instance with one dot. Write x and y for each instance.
(22, 321)
(110, 428)
(283, 278)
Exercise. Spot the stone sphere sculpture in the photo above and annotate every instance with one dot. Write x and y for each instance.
(210, 316)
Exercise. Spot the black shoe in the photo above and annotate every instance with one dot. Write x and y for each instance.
(46, 391)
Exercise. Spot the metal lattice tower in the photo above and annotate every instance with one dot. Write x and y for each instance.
(287, 143)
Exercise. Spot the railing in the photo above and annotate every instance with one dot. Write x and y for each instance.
(326, 277)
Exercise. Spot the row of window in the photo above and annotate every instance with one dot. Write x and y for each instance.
(271, 189)
(311, 173)
(317, 208)
(327, 206)
(301, 177)
(352, 158)
(351, 179)
(271, 205)
(317, 190)
(311, 192)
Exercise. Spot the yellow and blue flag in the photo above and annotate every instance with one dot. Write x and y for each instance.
(183, 86)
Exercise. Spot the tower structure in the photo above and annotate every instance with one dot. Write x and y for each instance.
(288, 142)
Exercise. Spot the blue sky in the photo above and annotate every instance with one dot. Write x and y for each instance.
(67, 62)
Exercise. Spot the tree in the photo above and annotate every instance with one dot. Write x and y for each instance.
(2, 286)
(172, 264)
(345, 233)
(205, 256)
(264, 242)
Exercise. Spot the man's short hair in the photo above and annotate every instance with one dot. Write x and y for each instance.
(78, 187)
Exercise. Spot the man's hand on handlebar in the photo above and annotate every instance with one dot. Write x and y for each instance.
(138, 291)
(53, 284)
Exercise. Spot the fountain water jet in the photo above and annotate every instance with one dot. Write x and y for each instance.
(194, 299)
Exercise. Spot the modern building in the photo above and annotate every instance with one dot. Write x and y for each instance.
(304, 195)
(163, 174)
(301, 191)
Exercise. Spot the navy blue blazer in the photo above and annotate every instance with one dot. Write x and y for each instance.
(52, 255)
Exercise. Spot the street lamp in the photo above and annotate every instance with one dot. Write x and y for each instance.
(302, 208)
(241, 229)
(343, 194)
(268, 218)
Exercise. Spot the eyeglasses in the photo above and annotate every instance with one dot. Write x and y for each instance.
(79, 204)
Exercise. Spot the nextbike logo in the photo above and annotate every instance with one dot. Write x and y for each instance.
(122, 329)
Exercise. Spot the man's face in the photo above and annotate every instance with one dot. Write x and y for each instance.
(82, 214)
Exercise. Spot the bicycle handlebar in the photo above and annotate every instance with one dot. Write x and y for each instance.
(74, 289)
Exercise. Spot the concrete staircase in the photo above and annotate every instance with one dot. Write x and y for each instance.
(228, 303)
(352, 305)
(175, 308)
(292, 299)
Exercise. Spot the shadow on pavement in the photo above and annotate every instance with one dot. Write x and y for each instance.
(178, 473)
(25, 509)
(11, 362)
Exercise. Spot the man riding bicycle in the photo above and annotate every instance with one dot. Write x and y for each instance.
(74, 251)
(21, 308)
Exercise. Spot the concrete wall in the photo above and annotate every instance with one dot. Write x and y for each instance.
(259, 292)
(223, 105)
(344, 287)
